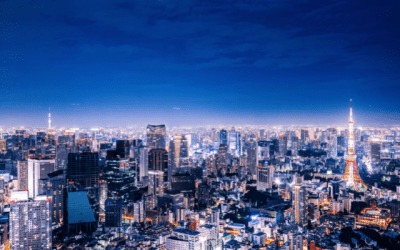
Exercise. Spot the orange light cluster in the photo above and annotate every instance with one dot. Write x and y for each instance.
(270, 241)
(232, 232)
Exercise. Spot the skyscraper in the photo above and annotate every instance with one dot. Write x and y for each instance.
(22, 169)
(143, 164)
(263, 148)
(119, 175)
(265, 176)
(113, 212)
(299, 205)
(83, 168)
(179, 152)
(375, 152)
(283, 141)
(223, 137)
(158, 161)
(156, 136)
(233, 143)
(252, 158)
(222, 157)
(30, 224)
(38, 170)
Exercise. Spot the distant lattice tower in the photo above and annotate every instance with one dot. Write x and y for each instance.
(351, 174)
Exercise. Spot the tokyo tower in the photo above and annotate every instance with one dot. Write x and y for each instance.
(351, 174)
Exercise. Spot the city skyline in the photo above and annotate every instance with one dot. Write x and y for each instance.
(182, 64)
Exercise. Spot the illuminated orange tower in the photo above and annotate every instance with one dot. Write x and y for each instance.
(351, 174)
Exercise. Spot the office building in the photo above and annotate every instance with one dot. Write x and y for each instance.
(119, 176)
(252, 158)
(22, 169)
(113, 212)
(375, 152)
(123, 148)
(38, 170)
(156, 136)
(299, 205)
(56, 191)
(158, 161)
(83, 168)
(138, 212)
(265, 176)
(223, 137)
(143, 164)
(222, 157)
(184, 239)
(263, 148)
(283, 143)
(30, 224)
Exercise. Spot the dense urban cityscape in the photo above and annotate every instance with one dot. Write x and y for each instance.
(199, 125)
(200, 188)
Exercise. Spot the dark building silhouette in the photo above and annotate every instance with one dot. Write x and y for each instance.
(183, 182)
(123, 148)
(113, 213)
(223, 137)
(83, 168)
(119, 174)
(158, 161)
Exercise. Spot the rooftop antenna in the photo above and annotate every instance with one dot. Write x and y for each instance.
(49, 119)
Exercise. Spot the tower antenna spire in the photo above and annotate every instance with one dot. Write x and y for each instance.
(49, 119)
(351, 174)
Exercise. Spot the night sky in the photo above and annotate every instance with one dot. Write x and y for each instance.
(192, 62)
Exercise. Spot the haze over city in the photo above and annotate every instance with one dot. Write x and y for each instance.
(199, 125)
(100, 63)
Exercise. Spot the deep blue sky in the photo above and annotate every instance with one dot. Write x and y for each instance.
(114, 62)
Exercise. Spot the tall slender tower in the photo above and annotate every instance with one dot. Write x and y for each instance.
(49, 119)
(351, 174)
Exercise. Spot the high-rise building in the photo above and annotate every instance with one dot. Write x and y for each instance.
(30, 224)
(263, 148)
(22, 169)
(394, 209)
(299, 204)
(143, 164)
(223, 137)
(179, 156)
(119, 175)
(252, 158)
(283, 143)
(138, 211)
(155, 188)
(156, 136)
(56, 191)
(265, 176)
(222, 157)
(61, 159)
(38, 170)
(203, 195)
(113, 212)
(123, 148)
(233, 143)
(375, 152)
(158, 161)
(304, 136)
(83, 168)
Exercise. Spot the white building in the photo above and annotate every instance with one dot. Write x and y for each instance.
(30, 224)
(185, 239)
(38, 169)
(259, 239)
